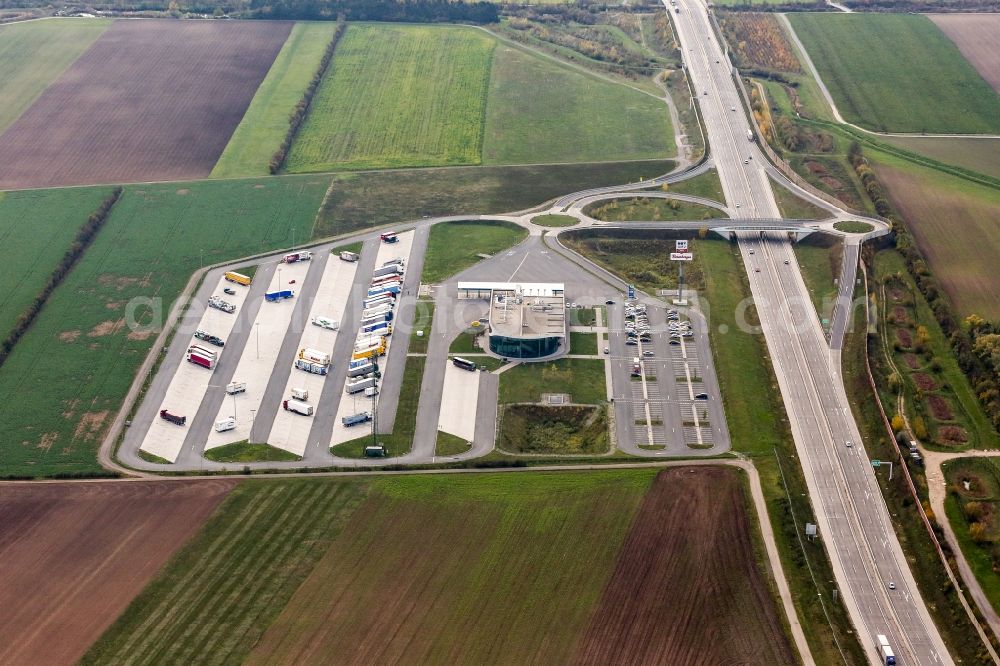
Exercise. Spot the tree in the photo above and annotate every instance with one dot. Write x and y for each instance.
(919, 428)
(897, 423)
(703, 233)
(978, 532)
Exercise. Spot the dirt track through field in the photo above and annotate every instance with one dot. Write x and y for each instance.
(977, 36)
(686, 588)
(150, 100)
(74, 556)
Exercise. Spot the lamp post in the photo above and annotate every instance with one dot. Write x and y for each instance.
(257, 326)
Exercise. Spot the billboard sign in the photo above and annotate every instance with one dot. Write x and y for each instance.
(681, 246)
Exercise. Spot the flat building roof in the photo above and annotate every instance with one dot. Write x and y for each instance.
(515, 314)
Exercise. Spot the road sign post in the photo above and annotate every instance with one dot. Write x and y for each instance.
(680, 254)
(878, 463)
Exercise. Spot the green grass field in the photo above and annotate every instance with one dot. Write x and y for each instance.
(215, 598)
(364, 200)
(36, 229)
(244, 452)
(33, 55)
(974, 153)
(544, 429)
(454, 246)
(398, 96)
(539, 111)
(646, 209)
(265, 123)
(705, 185)
(819, 257)
(897, 73)
(438, 563)
(152, 242)
(555, 220)
(582, 378)
(956, 223)
(582, 343)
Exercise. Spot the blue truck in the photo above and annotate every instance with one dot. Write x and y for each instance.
(278, 295)
(356, 419)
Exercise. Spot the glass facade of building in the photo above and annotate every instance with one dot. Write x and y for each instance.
(523, 348)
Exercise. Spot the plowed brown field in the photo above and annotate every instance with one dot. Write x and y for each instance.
(74, 555)
(686, 588)
(150, 100)
(977, 36)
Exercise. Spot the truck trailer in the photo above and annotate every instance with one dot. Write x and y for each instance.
(370, 352)
(226, 424)
(356, 419)
(199, 357)
(368, 341)
(238, 278)
(388, 289)
(278, 295)
(391, 269)
(375, 301)
(298, 407)
(309, 366)
(173, 418)
(292, 257)
(349, 256)
(232, 388)
(365, 368)
(314, 356)
(326, 322)
(384, 309)
(359, 384)
(381, 328)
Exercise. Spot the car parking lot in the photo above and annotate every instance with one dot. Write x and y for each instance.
(665, 392)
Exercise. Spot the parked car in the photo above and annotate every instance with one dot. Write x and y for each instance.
(229, 291)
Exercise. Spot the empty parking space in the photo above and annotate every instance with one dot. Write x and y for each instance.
(459, 400)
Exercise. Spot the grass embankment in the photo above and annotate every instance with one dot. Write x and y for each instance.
(582, 378)
(36, 229)
(529, 552)
(897, 73)
(936, 206)
(398, 96)
(423, 319)
(941, 403)
(560, 430)
(582, 343)
(215, 598)
(34, 54)
(453, 246)
(265, 123)
(359, 201)
(853, 227)
(934, 585)
(152, 242)
(645, 209)
(241, 452)
(705, 185)
(541, 111)
(400, 440)
(974, 513)
(819, 257)
(554, 220)
(350, 247)
(450, 445)
(795, 208)
(757, 422)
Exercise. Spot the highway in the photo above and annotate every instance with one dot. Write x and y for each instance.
(850, 511)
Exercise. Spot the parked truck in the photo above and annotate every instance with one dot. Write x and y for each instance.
(198, 356)
(278, 295)
(298, 407)
(356, 419)
(374, 320)
(309, 366)
(384, 309)
(370, 352)
(326, 322)
(292, 257)
(219, 304)
(390, 269)
(388, 237)
(209, 338)
(398, 261)
(365, 367)
(300, 394)
(238, 278)
(381, 328)
(369, 341)
(386, 281)
(226, 424)
(375, 301)
(232, 388)
(358, 384)
(314, 356)
(378, 291)
(173, 418)
(349, 256)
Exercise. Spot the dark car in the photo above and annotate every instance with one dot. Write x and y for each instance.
(609, 302)
(229, 291)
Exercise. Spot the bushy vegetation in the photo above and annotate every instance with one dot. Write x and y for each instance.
(759, 42)
(398, 96)
(551, 429)
(302, 107)
(266, 120)
(84, 237)
(648, 209)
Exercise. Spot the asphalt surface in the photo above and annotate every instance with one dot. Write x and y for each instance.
(850, 511)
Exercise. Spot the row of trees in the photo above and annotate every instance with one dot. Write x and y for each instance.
(84, 237)
(302, 107)
(410, 11)
(977, 343)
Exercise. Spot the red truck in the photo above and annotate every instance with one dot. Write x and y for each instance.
(173, 418)
(201, 356)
